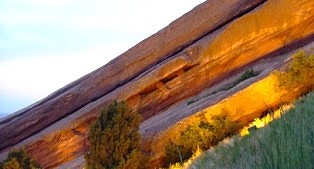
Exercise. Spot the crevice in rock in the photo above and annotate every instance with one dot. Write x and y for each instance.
(68, 87)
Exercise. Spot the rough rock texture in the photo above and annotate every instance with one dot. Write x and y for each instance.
(243, 106)
(216, 93)
(244, 102)
(180, 33)
(194, 53)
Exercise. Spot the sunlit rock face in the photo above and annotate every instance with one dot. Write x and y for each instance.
(201, 49)
(127, 67)
(242, 106)
(243, 103)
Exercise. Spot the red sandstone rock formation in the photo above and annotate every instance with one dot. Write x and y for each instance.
(203, 48)
(153, 50)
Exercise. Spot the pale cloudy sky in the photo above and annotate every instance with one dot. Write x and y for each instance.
(46, 44)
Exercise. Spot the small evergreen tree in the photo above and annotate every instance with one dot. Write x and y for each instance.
(18, 159)
(115, 139)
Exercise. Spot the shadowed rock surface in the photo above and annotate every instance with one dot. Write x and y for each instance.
(198, 52)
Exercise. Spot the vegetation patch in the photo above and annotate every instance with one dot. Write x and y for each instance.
(285, 143)
(246, 75)
(115, 139)
(202, 135)
(192, 101)
(299, 73)
(19, 159)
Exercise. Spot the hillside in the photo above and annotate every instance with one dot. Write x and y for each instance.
(286, 143)
(186, 72)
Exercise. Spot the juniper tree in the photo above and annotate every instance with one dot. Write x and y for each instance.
(114, 139)
(19, 159)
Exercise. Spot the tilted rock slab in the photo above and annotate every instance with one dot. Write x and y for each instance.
(180, 33)
(156, 73)
(244, 102)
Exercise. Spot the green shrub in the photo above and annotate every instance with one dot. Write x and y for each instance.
(202, 135)
(192, 101)
(18, 159)
(114, 139)
(300, 73)
(286, 143)
(246, 75)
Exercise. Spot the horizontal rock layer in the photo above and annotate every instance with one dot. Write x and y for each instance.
(156, 74)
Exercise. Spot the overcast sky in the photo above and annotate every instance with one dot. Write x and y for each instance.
(46, 44)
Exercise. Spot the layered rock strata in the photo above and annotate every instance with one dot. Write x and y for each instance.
(200, 21)
(244, 102)
(192, 54)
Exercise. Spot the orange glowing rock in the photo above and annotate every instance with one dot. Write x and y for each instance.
(159, 74)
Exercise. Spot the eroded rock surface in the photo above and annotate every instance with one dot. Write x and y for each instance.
(180, 33)
(192, 54)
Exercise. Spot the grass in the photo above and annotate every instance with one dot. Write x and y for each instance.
(286, 143)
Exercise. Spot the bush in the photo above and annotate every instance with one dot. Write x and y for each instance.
(114, 139)
(286, 143)
(245, 75)
(299, 74)
(18, 159)
(202, 135)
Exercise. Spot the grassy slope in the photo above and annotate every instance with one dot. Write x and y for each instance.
(287, 143)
